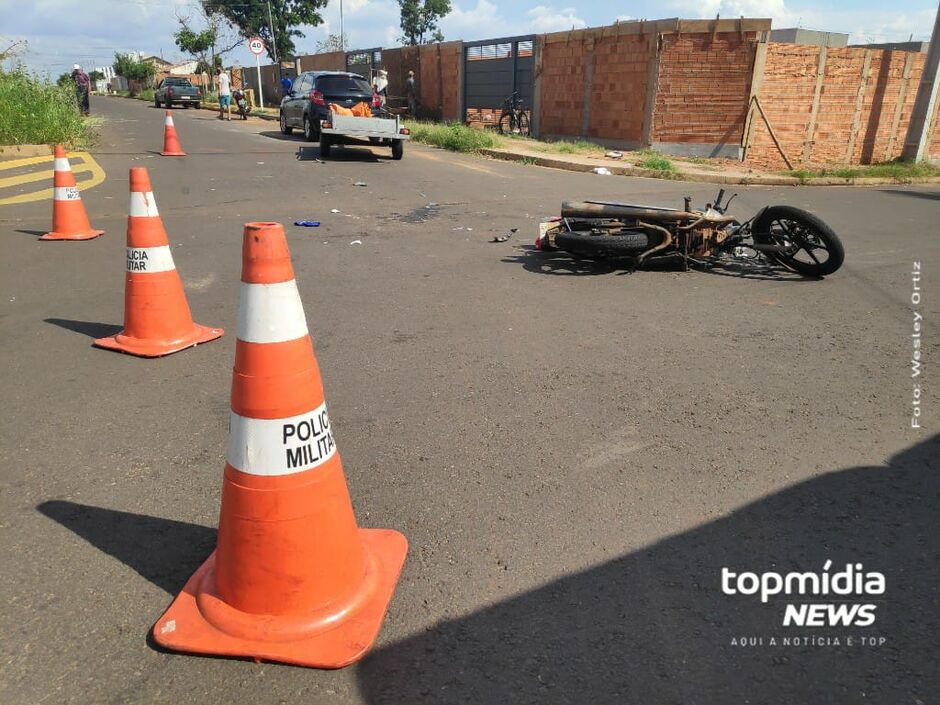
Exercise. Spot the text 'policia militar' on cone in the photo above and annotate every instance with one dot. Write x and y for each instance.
(157, 320)
(69, 220)
(171, 143)
(292, 578)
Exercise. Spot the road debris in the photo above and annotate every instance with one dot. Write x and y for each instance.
(334, 210)
(307, 223)
(356, 242)
(360, 183)
(503, 238)
(613, 154)
(602, 170)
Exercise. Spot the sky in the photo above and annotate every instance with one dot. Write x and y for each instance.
(63, 32)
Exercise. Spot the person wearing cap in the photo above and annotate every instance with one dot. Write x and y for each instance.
(82, 84)
(412, 94)
(380, 86)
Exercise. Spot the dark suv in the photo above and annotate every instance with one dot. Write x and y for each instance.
(311, 95)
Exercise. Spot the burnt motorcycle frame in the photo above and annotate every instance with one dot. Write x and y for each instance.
(701, 238)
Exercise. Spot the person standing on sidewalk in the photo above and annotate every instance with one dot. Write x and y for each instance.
(412, 93)
(225, 93)
(82, 86)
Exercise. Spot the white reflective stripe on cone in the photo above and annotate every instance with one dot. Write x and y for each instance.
(143, 205)
(150, 259)
(280, 446)
(65, 193)
(168, 120)
(270, 313)
(61, 164)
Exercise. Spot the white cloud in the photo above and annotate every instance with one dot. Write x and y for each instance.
(547, 19)
(478, 22)
(861, 24)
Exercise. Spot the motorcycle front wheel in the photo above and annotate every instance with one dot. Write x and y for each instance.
(810, 246)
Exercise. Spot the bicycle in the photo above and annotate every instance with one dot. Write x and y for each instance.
(513, 120)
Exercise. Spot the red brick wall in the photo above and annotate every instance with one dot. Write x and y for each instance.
(332, 61)
(787, 98)
(618, 87)
(398, 62)
(561, 92)
(438, 85)
(933, 150)
(703, 88)
(786, 95)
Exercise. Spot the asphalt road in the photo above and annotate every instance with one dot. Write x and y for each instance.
(574, 453)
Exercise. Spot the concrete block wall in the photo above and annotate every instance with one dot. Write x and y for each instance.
(702, 92)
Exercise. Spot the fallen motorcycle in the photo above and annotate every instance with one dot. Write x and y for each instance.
(777, 235)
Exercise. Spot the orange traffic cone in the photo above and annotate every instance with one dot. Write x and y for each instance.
(157, 320)
(292, 579)
(69, 220)
(171, 143)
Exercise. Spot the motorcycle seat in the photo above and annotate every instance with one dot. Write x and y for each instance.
(611, 209)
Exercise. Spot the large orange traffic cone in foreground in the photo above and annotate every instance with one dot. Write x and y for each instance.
(69, 220)
(171, 143)
(292, 579)
(157, 320)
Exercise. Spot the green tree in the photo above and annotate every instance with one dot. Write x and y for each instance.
(208, 45)
(133, 70)
(419, 20)
(252, 19)
(96, 75)
(65, 80)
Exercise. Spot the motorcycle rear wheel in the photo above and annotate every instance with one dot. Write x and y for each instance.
(805, 237)
(584, 242)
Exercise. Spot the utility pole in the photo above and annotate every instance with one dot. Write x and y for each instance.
(917, 142)
(342, 31)
(280, 74)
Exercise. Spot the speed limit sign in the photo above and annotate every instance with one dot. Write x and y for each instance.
(256, 46)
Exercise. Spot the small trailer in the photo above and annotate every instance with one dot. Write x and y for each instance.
(377, 130)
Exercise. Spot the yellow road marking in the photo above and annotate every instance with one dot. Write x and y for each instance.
(88, 164)
(36, 176)
(13, 163)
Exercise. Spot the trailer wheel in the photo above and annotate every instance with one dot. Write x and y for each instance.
(398, 149)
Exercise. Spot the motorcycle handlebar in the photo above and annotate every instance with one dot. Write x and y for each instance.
(721, 195)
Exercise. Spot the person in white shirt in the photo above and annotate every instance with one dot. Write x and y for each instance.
(380, 86)
(225, 93)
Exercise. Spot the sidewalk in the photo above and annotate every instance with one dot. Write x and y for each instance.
(716, 172)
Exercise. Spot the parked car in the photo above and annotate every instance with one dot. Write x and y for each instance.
(177, 90)
(311, 95)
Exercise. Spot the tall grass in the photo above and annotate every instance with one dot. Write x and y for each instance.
(35, 112)
(455, 137)
(653, 161)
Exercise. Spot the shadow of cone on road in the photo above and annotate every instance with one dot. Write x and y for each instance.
(157, 319)
(292, 578)
(69, 220)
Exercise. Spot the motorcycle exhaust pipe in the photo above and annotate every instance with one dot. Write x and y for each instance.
(764, 247)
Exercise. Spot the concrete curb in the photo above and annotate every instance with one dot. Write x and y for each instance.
(25, 150)
(754, 180)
